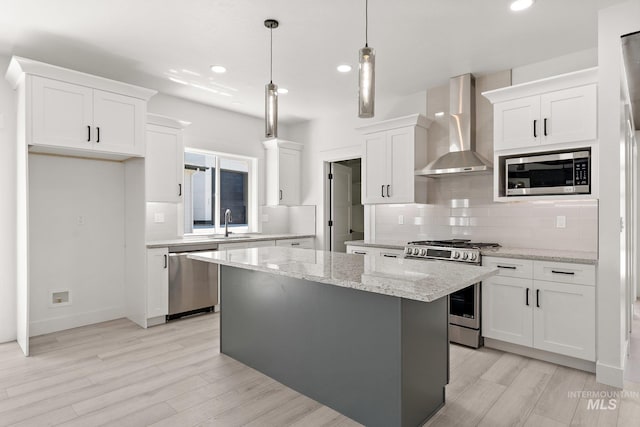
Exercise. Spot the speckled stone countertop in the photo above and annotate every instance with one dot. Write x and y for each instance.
(418, 280)
(235, 238)
(386, 244)
(576, 257)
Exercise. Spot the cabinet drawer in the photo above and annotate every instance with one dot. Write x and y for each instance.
(564, 272)
(306, 243)
(391, 253)
(509, 267)
(361, 250)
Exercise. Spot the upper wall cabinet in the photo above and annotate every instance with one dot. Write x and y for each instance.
(73, 113)
(552, 111)
(283, 160)
(164, 160)
(392, 151)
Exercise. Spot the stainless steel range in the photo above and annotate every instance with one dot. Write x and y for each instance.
(464, 305)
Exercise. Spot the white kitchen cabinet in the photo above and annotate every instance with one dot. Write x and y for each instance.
(79, 117)
(73, 113)
(392, 151)
(157, 282)
(361, 250)
(547, 112)
(283, 174)
(304, 243)
(164, 160)
(555, 314)
(245, 245)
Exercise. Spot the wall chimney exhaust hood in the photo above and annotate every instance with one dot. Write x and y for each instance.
(461, 158)
(631, 55)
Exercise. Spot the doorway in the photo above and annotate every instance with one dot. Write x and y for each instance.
(344, 210)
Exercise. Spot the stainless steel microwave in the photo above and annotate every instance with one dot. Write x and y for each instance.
(551, 173)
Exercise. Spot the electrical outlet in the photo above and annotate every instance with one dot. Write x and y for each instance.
(561, 221)
(417, 220)
(400, 219)
(82, 220)
(158, 218)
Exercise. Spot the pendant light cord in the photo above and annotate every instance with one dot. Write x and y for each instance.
(271, 58)
(366, 23)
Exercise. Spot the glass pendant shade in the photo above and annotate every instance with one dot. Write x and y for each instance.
(366, 87)
(271, 110)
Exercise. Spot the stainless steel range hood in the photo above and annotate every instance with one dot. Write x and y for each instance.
(461, 158)
(631, 54)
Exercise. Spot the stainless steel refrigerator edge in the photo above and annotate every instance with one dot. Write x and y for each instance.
(193, 285)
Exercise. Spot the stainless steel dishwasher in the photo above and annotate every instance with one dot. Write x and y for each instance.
(193, 285)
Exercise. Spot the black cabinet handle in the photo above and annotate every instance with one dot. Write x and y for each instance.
(535, 122)
(179, 189)
(508, 267)
(280, 194)
(359, 253)
(390, 256)
(88, 133)
(545, 126)
(538, 298)
(527, 297)
(98, 129)
(295, 244)
(382, 190)
(568, 273)
(166, 259)
(388, 193)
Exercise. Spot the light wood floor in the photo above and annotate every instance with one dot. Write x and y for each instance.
(118, 374)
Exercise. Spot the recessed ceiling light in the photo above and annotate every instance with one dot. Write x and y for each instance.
(518, 5)
(182, 82)
(282, 90)
(439, 114)
(219, 69)
(344, 68)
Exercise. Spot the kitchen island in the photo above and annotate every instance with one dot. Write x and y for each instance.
(364, 335)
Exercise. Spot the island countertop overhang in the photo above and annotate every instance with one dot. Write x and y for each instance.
(417, 280)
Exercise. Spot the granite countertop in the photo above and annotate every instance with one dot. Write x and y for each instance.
(235, 238)
(405, 278)
(577, 257)
(386, 244)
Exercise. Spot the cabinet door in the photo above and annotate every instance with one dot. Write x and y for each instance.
(375, 170)
(505, 313)
(564, 319)
(360, 250)
(400, 159)
(157, 282)
(514, 121)
(570, 115)
(289, 176)
(164, 164)
(61, 114)
(118, 123)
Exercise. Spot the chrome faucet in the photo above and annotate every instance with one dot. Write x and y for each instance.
(227, 220)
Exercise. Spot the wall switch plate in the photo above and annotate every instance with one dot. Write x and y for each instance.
(561, 221)
(158, 217)
(400, 219)
(417, 220)
(81, 220)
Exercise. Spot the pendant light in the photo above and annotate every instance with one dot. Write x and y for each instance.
(271, 92)
(367, 75)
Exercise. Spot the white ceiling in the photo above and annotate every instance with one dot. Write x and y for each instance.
(419, 43)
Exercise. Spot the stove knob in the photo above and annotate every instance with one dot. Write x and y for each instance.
(407, 251)
(473, 256)
(423, 252)
(416, 251)
(455, 255)
(464, 255)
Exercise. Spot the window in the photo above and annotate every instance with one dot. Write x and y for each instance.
(215, 182)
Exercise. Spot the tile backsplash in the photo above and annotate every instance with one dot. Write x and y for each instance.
(462, 207)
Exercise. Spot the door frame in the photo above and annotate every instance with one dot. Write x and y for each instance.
(327, 211)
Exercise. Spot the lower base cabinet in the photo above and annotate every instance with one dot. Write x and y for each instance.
(157, 282)
(553, 316)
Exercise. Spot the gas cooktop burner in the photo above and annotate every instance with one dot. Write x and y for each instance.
(454, 243)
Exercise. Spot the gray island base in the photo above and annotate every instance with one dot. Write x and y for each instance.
(381, 360)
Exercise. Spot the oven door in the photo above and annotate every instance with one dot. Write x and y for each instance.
(556, 173)
(464, 307)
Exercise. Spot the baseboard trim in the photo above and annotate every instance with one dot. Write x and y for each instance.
(55, 324)
(558, 359)
(155, 321)
(610, 375)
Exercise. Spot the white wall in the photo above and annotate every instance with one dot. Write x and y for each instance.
(85, 257)
(7, 209)
(613, 22)
(552, 67)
